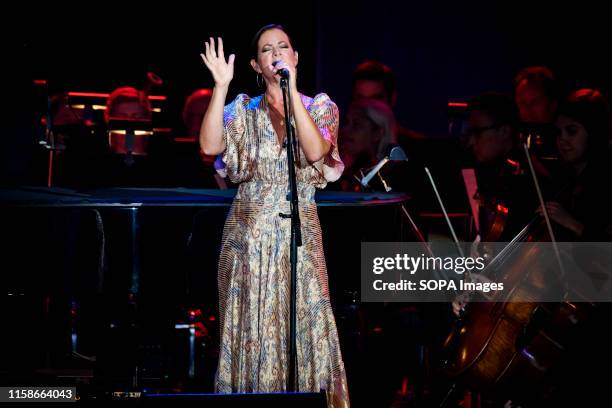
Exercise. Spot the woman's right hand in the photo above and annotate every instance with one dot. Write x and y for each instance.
(222, 71)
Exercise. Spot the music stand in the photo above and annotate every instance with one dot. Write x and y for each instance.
(129, 137)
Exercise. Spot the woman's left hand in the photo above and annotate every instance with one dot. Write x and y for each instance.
(558, 214)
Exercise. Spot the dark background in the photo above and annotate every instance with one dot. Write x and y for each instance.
(440, 51)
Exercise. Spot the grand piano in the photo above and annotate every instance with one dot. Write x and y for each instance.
(117, 287)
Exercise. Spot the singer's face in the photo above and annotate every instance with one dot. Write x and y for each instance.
(572, 140)
(274, 45)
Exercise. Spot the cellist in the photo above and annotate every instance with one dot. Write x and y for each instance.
(502, 187)
(581, 211)
(501, 195)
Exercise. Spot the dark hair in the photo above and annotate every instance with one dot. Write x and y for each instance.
(499, 107)
(541, 76)
(259, 33)
(590, 108)
(376, 71)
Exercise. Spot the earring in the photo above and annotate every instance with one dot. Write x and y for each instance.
(259, 79)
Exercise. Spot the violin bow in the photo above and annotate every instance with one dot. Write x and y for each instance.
(450, 226)
(448, 222)
(545, 212)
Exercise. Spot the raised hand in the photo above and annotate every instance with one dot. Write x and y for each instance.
(221, 70)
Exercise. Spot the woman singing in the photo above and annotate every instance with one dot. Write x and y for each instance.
(254, 269)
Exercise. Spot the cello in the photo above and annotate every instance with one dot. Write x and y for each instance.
(510, 344)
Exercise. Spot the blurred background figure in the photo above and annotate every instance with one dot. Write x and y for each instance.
(78, 146)
(369, 133)
(193, 164)
(194, 110)
(129, 118)
(537, 93)
(66, 122)
(375, 80)
(370, 129)
(395, 331)
(128, 103)
(149, 157)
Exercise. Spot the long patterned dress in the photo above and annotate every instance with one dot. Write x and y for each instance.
(254, 269)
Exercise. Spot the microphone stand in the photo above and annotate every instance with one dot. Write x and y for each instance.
(47, 140)
(296, 234)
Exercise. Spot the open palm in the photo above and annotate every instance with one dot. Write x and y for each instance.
(221, 70)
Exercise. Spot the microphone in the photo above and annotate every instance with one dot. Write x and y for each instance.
(283, 72)
(396, 154)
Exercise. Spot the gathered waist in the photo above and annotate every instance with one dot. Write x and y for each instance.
(269, 192)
